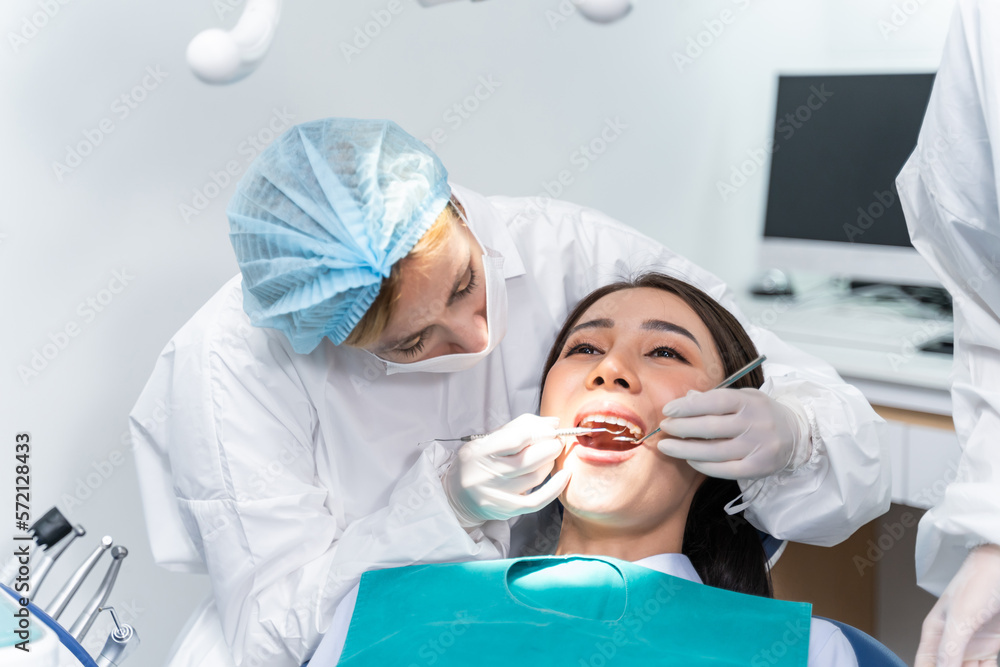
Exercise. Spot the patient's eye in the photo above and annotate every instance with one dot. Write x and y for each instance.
(667, 352)
(582, 348)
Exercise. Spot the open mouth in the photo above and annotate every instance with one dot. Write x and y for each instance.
(616, 427)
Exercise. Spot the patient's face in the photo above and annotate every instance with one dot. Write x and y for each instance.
(630, 354)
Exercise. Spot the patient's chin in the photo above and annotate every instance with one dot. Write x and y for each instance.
(590, 493)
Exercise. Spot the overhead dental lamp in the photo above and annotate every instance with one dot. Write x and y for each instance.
(225, 56)
(603, 11)
(599, 11)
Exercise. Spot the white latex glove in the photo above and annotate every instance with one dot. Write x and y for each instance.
(963, 628)
(733, 433)
(492, 477)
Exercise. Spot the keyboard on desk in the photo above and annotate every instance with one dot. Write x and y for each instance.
(945, 345)
(861, 327)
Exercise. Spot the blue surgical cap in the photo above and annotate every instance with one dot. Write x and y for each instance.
(321, 217)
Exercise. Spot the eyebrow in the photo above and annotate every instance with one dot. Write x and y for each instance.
(648, 325)
(394, 345)
(669, 327)
(593, 324)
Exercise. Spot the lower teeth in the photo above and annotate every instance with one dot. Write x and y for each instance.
(610, 446)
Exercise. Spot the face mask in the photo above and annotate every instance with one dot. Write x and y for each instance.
(496, 323)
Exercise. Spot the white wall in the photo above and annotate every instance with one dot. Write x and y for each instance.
(63, 239)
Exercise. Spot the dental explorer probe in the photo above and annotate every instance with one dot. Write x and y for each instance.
(62, 598)
(46, 560)
(559, 433)
(121, 642)
(722, 385)
(90, 612)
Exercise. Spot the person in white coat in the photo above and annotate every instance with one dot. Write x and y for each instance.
(949, 190)
(278, 440)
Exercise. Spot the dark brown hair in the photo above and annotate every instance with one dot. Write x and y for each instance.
(725, 550)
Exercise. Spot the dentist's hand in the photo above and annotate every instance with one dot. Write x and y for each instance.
(963, 628)
(732, 433)
(492, 476)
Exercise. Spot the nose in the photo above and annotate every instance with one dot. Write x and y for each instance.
(612, 372)
(468, 334)
(469, 327)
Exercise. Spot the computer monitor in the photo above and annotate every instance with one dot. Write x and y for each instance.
(832, 206)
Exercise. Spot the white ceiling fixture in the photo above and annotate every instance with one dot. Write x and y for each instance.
(603, 11)
(225, 56)
(599, 11)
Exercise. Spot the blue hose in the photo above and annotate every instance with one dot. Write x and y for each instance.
(66, 638)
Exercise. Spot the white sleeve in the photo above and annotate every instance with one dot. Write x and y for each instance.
(828, 647)
(844, 480)
(332, 646)
(949, 190)
(246, 485)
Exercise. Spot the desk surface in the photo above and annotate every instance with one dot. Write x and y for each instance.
(872, 346)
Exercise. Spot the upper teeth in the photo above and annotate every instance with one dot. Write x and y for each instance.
(634, 430)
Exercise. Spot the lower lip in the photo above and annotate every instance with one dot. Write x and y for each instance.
(603, 456)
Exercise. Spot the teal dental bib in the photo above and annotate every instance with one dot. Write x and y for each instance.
(576, 611)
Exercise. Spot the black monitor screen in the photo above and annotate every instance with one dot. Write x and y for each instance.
(839, 143)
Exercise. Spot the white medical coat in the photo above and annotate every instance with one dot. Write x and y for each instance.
(286, 476)
(828, 647)
(949, 189)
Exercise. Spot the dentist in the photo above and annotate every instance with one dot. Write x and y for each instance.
(949, 190)
(294, 456)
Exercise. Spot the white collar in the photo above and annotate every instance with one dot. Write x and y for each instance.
(677, 565)
(489, 229)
